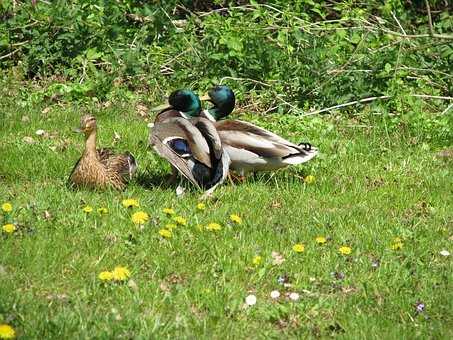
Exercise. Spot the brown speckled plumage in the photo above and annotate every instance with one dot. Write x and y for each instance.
(100, 168)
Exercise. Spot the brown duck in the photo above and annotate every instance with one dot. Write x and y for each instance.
(100, 168)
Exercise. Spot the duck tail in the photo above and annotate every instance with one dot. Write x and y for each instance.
(306, 153)
(305, 146)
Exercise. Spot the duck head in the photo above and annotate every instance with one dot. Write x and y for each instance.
(223, 99)
(185, 101)
(87, 125)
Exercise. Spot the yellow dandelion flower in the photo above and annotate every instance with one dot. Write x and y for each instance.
(165, 233)
(397, 246)
(257, 260)
(9, 228)
(235, 219)
(7, 332)
(201, 206)
(103, 211)
(87, 209)
(180, 220)
(7, 207)
(130, 202)
(120, 273)
(310, 179)
(320, 240)
(170, 226)
(168, 211)
(213, 226)
(345, 250)
(299, 248)
(140, 217)
(105, 276)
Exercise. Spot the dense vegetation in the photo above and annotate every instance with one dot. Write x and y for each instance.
(381, 186)
(282, 56)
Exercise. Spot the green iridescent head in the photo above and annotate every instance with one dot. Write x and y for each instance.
(185, 101)
(223, 99)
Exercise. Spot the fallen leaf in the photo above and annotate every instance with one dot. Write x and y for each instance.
(276, 205)
(164, 287)
(142, 110)
(278, 258)
(47, 215)
(116, 137)
(132, 285)
(28, 140)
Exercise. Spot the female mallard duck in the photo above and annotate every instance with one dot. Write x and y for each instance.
(192, 145)
(250, 147)
(100, 168)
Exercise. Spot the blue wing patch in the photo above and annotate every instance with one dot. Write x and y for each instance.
(180, 146)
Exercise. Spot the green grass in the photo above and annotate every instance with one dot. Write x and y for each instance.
(371, 187)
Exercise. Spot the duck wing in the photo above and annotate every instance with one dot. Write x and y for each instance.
(210, 133)
(124, 165)
(176, 130)
(104, 154)
(263, 143)
(219, 157)
(167, 114)
(182, 144)
(70, 182)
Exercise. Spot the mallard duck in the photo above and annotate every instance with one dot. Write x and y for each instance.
(100, 168)
(181, 103)
(250, 147)
(192, 146)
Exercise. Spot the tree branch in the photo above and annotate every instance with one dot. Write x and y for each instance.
(430, 20)
(370, 99)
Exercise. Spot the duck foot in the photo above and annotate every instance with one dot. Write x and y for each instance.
(234, 178)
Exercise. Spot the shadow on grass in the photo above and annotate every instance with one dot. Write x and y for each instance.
(274, 178)
(158, 180)
(150, 180)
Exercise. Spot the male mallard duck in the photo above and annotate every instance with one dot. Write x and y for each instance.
(181, 103)
(100, 168)
(250, 147)
(193, 145)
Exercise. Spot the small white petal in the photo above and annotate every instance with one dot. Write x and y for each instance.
(444, 253)
(40, 132)
(150, 125)
(275, 294)
(294, 296)
(250, 300)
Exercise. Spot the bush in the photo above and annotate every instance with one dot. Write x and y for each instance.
(294, 55)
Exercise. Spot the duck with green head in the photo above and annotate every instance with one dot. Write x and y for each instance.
(190, 143)
(250, 147)
(181, 103)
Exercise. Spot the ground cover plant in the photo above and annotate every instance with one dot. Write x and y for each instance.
(355, 243)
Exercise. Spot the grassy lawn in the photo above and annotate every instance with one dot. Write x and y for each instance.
(372, 186)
